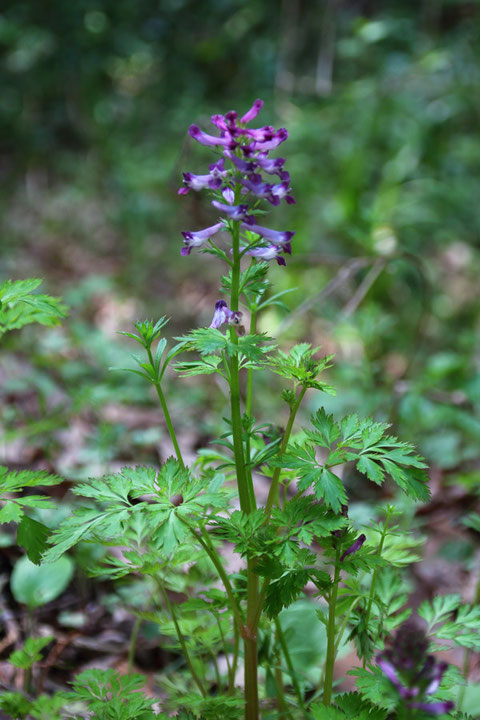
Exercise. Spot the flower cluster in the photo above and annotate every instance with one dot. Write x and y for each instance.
(237, 180)
(413, 672)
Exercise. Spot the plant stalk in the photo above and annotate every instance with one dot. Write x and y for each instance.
(166, 414)
(181, 639)
(273, 492)
(246, 496)
(330, 661)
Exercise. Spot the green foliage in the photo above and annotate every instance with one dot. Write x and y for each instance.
(175, 497)
(374, 687)
(30, 653)
(19, 306)
(299, 366)
(111, 696)
(365, 442)
(35, 585)
(11, 483)
(351, 706)
(448, 619)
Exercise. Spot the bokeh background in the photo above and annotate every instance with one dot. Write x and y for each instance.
(381, 103)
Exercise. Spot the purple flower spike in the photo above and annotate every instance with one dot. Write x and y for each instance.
(210, 140)
(277, 237)
(434, 708)
(223, 315)
(235, 212)
(253, 112)
(196, 239)
(353, 548)
(271, 252)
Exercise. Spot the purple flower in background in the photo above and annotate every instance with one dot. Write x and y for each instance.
(353, 548)
(413, 672)
(196, 239)
(223, 315)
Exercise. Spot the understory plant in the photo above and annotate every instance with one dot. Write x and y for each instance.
(173, 522)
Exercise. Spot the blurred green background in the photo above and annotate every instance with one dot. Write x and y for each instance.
(381, 103)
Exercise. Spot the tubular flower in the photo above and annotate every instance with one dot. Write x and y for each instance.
(212, 180)
(414, 673)
(277, 237)
(196, 239)
(253, 112)
(210, 140)
(223, 315)
(354, 547)
(247, 152)
(270, 252)
(235, 212)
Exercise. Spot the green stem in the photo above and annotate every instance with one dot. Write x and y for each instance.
(374, 580)
(236, 645)
(273, 492)
(209, 548)
(291, 669)
(249, 397)
(283, 711)
(166, 414)
(244, 492)
(246, 496)
(248, 410)
(181, 639)
(330, 662)
(133, 643)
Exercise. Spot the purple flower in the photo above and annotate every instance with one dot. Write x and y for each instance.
(279, 137)
(223, 315)
(270, 252)
(260, 135)
(196, 239)
(353, 548)
(277, 237)
(212, 180)
(272, 166)
(235, 212)
(211, 140)
(253, 112)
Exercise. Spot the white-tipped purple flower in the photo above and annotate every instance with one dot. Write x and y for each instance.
(355, 547)
(253, 112)
(212, 180)
(196, 239)
(211, 140)
(270, 252)
(234, 212)
(223, 314)
(277, 237)
(260, 135)
(279, 137)
(228, 195)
